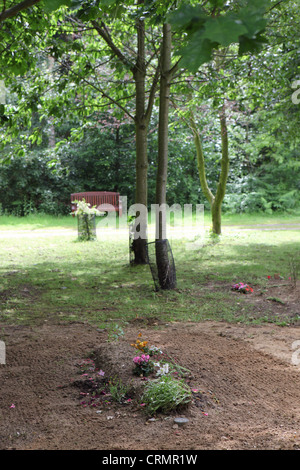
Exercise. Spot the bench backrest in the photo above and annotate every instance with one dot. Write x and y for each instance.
(105, 199)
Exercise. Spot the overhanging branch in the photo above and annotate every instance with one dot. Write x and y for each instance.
(13, 11)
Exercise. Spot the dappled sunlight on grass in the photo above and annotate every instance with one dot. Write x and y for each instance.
(54, 276)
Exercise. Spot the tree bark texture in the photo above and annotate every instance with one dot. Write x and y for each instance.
(165, 266)
(143, 111)
(141, 130)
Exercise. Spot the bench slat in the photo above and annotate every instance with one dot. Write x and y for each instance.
(97, 198)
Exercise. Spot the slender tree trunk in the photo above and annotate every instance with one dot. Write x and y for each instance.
(142, 119)
(215, 201)
(221, 189)
(166, 274)
(52, 138)
(140, 244)
(201, 162)
(163, 136)
(141, 131)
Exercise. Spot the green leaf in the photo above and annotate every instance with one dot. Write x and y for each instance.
(252, 17)
(254, 26)
(52, 5)
(225, 29)
(187, 17)
(197, 52)
(247, 44)
(205, 33)
(217, 3)
(107, 2)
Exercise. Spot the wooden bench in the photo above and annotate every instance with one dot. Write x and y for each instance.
(109, 201)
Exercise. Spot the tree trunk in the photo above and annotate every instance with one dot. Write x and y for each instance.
(166, 274)
(142, 119)
(139, 245)
(217, 203)
(201, 162)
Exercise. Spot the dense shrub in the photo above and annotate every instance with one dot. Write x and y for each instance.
(28, 185)
(104, 160)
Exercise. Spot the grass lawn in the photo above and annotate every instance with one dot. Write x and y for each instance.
(40, 221)
(50, 276)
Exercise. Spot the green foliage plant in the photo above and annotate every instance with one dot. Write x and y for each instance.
(165, 394)
(115, 331)
(118, 389)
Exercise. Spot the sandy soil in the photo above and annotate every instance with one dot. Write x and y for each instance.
(245, 381)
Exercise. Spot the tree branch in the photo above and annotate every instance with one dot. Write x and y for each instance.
(200, 161)
(104, 94)
(152, 92)
(13, 11)
(104, 33)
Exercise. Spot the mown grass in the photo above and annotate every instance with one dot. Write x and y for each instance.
(50, 276)
(261, 218)
(35, 222)
(42, 221)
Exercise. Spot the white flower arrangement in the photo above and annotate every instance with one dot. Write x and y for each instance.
(162, 370)
(84, 208)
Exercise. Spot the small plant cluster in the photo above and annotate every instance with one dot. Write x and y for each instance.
(167, 390)
(99, 390)
(144, 362)
(166, 394)
(242, 287)
(143, 365)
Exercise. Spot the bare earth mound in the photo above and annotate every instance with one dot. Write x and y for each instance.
(246, 391)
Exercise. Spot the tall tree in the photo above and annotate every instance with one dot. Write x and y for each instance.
(209, 30)
(166, 275)
(74, 46)
(216, 200)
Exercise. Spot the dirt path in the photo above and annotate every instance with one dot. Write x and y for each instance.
(246, 390)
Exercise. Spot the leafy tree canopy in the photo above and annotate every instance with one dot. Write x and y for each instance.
(219, 23)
